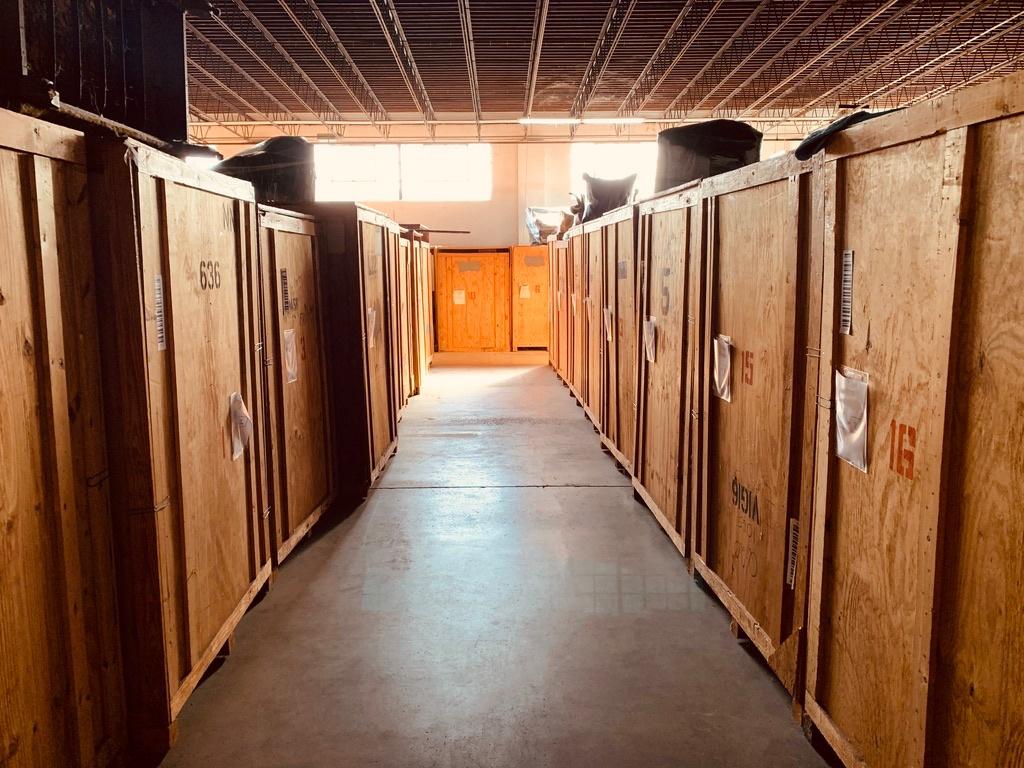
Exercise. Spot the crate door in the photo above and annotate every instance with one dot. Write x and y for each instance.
(42, 638)
(375, 334)
(530, 278)
(476, 302)
(405, 326)
(753, 283)
(609, 338)
(301, 414)
(576, 310)
(594, 305)
(622, 288)
(876, 586)
(562, 311)
(206, 306)
(669, 238)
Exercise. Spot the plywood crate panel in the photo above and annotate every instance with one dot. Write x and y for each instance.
(763, 283)
(421, 328)
(621, 349)
(399, 269)
(670, 240)
(299, 458)
(61, 667)
(577, 339)
(559, 255)
(530, 285)
(473, 300)
(914, 624)
(353, 243)
(180, 339)
(594, 337)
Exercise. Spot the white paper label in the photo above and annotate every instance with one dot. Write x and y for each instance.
(458, 297)
(524, 292)
(852, 418)
(291, 356)
(650, 338)
(721, 384)
(371, 326)
(158, 306)
(241, 425)
(607, 323)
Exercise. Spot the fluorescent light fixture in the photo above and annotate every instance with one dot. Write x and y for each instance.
(612, 120)
(549, 121)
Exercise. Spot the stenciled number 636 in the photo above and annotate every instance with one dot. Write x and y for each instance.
(209, 275)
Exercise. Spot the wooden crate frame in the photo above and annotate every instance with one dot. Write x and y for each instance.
(282, 421)
(944, 656)
(353, 241)
(674, 518)
(562, 333)
(157, 516)
(618, 406)
(67, 639)
(534, 309)
(791, 363)
(500, 260)
(574, 271)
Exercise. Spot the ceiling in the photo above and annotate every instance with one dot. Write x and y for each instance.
(458, 70)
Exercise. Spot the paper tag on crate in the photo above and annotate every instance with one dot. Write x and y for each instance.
(650, 338)
(161, 318)
(524, 291)
(241, 425)
(573, 303)
(371, 326)
(607, 322)
(458, 297)
(721, 374)
(291, 356)
(852, 418)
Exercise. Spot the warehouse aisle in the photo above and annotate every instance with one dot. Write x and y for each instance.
(500, 600)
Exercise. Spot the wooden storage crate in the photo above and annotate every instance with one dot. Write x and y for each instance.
(915, 624)
(530, 281)
(353, 242)
(473, 299)
(298, 443)
(180, 335)
(562, 352)
(422, 309)
(577, 339)
(400, 292)
(670, 245)
(594, 337)
(621, 349)
(61, 666)
(763, 286)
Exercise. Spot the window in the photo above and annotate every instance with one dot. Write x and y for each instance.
(614, 161)
(356, 171)
(385, 172)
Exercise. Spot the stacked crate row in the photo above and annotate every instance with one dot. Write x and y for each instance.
(192, 380)
(812, 371)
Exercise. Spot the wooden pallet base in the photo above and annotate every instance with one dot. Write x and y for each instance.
(619, 456)
(783, 658)
(302, 531)
(675, 536)
(391, 450)
(815, 718)
(190, 682)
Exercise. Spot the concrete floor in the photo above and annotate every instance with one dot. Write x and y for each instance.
(500, 600)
